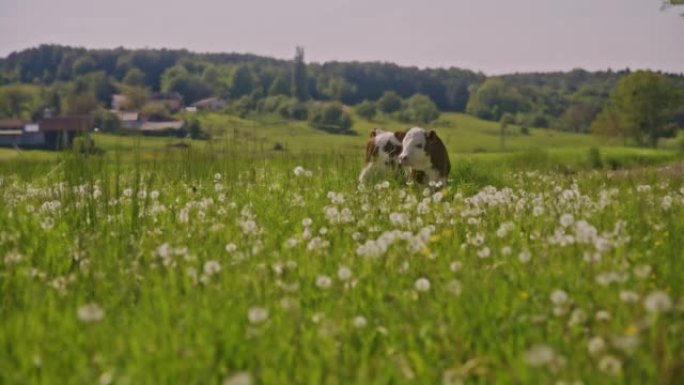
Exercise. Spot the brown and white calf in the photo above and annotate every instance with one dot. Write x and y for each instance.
(382, 151)
(425, 156)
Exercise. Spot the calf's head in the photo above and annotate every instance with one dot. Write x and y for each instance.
(383, 147)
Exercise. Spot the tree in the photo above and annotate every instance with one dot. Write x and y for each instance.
(389, 102)
(578, 116)
(242, 82)
(506, 119)
(134, 77)
(190, 86)
(300, 84)
(419, 108)
(330, 117)
(366, 109)
(136, 97)
(279, 86)
(609, 123)
(646, 102)
(15, 102)
(83, 65)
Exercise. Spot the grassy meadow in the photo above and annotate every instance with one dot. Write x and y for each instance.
(226, 262)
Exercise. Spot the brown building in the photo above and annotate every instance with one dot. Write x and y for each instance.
(59, 132)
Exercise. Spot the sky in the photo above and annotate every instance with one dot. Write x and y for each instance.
(492, 36)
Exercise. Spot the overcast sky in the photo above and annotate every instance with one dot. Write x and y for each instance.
(493, 36)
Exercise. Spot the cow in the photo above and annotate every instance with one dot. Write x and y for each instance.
(382, 150)
(424, 156)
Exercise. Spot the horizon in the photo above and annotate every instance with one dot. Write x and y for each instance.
(492, 38)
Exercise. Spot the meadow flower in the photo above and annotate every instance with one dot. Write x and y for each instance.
(455, 266)
(629, 296)
(603, 315)
(306, 222)
(642, 271)
(454, 287)
(539, 355)
(211, 267)
(231, 247)
(422, 284)
(323, 282)
(13, 257)
(344, 273)
(626, 344)
(484, 252)
(524, 256)
(577, 317)
(90, 313)
(241, 378)
(559, 297)
(610, 364)
(567, 219)
(658, 302)
(257, 315)
(360, 322)
(596, 345)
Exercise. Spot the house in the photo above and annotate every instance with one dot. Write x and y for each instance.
(16, 133)
(163, 128)
(212, 103)
(129, 119)
(119, 102)
(60, 132)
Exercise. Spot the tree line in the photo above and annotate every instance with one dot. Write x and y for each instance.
(77, 79)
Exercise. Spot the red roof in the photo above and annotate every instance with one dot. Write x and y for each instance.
(65, 123)
(7, 124)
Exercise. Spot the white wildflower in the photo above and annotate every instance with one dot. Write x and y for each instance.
(344, 273)
(257, 315)
(241, 378)
(559, 297)
(422, 284)
(360, 322)
(658, 302)
(610, 364)
(323, 282)
(90, 313)
(539, 355)
(596, 345)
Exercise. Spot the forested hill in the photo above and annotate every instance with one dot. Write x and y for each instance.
(537, 99)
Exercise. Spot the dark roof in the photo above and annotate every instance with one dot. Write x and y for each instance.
(11, 123)
(65, 123)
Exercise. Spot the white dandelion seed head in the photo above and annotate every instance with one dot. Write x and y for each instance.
(323, 282)
(524, 256)
(539, 355)
(344, 273)
(610, 364)
(90, 313)
(241, 378)
(360, 322)
(658, 302)
(559, 297)
(211, 267)
(422, 284)
(257, 315)
(596, 345)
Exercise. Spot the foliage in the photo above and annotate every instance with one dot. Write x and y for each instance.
(389, 102)
(366, 109)
(134, 77)
(646, 102)
(16, 102)
(106, 121)
(190, 86)
(279, 86)
(300, 87)
(418, 109)
(136, 97)
(330, 117)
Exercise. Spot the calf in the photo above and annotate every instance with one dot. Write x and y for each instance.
(425, 156)
(382, 150)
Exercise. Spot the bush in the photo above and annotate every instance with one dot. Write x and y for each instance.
(366, 109)
(594, 158)
(330, 117)
(106, 121)
(274, 104)
(389, 102)
(419, 108)
(194, 129)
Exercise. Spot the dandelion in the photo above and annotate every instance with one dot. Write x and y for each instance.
(13, 257)
(559, 297)
(344, 273)
(231, 247)
(422, 284)
(524, 256)
(257, 315)
(611, 365)
(241, 378)
(628, 296)
(484, 252)
(360, 322)
(539, 355)
(566, 220)
(603, 315)
(211, 267)
(642, 271)
(90, 313)
(323, 282)
(577, 317)
(627, 344)
(596, 345)
(454, 287)
(455, 266)
(306, 222)
(658, 302)
(106, 378)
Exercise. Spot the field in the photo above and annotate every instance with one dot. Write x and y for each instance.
(229, 263)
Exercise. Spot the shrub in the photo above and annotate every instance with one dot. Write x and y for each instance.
(366, 109)
(594, 158)
(330, 117)
(419, 108)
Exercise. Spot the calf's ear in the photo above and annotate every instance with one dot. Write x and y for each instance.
(399, 135)
(431, 135)
(373, 133)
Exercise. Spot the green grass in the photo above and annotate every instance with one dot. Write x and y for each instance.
(118, 267)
